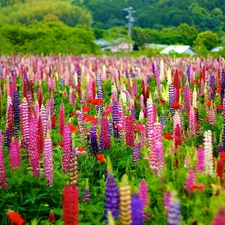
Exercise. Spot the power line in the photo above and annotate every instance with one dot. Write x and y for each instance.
(130, 19)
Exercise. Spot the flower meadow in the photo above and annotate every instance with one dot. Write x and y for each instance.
(112, 140)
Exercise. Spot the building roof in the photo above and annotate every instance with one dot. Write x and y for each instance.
(152, 45)
(102, 42)
(217, 49)
(176, 48)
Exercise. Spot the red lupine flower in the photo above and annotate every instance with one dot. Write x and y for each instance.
(73, 128)
(80, 149)
(168, 136)
(199, 187)
(86, 108)
(91, 119)
(162, 101)
(218, 91)
(139, 126)
(72, 114)
(108, 110)
(95, 101)
(219, 107)
(206, 118)
(222, 155)
(60, 144)
(15, 218)
(176, 105)
(209, 103)
(100, 158)
(51, 217)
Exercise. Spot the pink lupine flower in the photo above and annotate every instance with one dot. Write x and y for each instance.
(190, 180)
(14, 154)
(199, 166)
(33, 149)
(48, 167)
(44, 119)
(3, 178)
(25, 123)
(61, 118)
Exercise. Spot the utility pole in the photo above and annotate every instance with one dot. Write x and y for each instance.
(130, 19)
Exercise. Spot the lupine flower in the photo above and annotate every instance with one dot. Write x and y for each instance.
(136, 151)
(129, 131)
(220, 169)
(173, 211)
(187, 99)
(163, 119)
(86, 194)
(143, 194)
(40, 96)
(14, 154)
(167, 200)
(40, 141)
(67, 146)
(61, 118)
(115, 115)
(208, 165)
(51, 217)
(137, 210)
(70, 205)
(48, 165)
(199, 166)
(33, 149)
(125, 202)
(159, 154)
(73, 167)
(3, 178)
(44, 119)
(104, 134)
(9, 129)
(212, 116)
(190, 180)
(219, 218)
(171, 98)
(16, 111)
(93, 137)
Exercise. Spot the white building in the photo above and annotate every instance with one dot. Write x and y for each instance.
(179, 49)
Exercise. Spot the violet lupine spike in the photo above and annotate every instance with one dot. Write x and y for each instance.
(14, 154)
(73, 167)
(129, 131)
(61, 118)
(3, 178)
(33, 149)
(212, 86)
(99, 93)
(199, 166)
(137, 210)
(190, 180)
(48, 165)
(104, 134)
(25, 123)
(9, 129)
(44, 119)
(188, 73)
(163, 119)
(16, 111)
(111, 196)
(67, 147)
(115, 115)
(136, 152)
(93, 139)
(222, 84)
(173, 211)
(171, 98)
(187, 97)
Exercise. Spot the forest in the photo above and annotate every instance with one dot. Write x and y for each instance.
(24, 23)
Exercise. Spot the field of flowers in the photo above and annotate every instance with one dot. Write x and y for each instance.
(93, 141)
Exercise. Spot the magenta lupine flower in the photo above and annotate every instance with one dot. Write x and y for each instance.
(14, 154)
(192, 122)
(220, 217)
(44, 119)
(167, 200)
(9, 128)
(33, 149)
(199, 166)
(129, 131)
(158, 131)
(104, 134)
(3, 178)
(159, 153)
(187, 99)
(136, 151)
(25, 123)
(48, 109)
(72, 97)
(49, 124)
(67, 146)
(61, 118)
(190, 180)
(143, 194)
(48, 166)
(40, 142)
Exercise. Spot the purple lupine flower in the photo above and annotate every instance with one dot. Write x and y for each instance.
(16, 112)
(99, 94)
(201, 158)
(171, 98)
(104, 134)
(14, 154)
(188, 73)
(86, 195)
(212, 86)
(137, 210)
(33, 148)
(48, 165)
(163, 119)
(93, 139)
(136, 151)
(222, 84)
(3, 178)
(111, 196)
(129, 131)
(173, 211)
(115, 115)
(67, 147)
(71, 97)
(187, 97)
(190, 180)
(73, 167)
